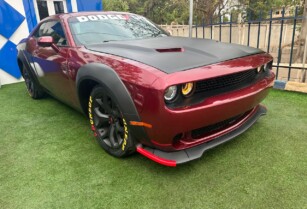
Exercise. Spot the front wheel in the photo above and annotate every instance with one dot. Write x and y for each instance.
(108, 123)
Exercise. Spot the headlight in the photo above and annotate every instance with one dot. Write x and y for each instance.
(187, 89)
(266, 67)
(259, 69)
(170, 93)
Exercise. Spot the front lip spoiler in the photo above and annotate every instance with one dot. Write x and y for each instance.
(183, 156)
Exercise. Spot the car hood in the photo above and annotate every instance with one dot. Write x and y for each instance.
(173, 54)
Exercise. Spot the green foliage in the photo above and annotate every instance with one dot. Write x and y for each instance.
(225, 19)
(159, 11)
(208, 10)
(115, 5)
(162, 11)
(261, 8)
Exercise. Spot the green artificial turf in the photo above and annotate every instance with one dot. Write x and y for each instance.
(50, 159)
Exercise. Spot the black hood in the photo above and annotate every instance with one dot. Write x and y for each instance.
(173, 54)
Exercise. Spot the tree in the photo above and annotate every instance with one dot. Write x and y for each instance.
(207, 9)
(261, 8)
(115, 5)
(161, 11)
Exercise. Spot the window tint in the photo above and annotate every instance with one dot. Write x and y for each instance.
(54, 29)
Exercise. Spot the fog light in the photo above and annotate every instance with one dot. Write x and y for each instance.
(170, 93)
(187, 89)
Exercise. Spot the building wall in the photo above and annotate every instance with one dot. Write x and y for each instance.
(17, 19)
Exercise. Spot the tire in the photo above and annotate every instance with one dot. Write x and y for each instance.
(33, 89)
(108, 123)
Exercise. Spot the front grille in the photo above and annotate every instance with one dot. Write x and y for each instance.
(228, 82)
(202, 132)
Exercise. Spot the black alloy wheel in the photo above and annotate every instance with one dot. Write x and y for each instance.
(108, 123)
(33, 89)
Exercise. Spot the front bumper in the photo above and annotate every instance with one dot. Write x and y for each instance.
(182, 156)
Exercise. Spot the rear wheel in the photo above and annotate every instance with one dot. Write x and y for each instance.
(109, 124)
(33, 89)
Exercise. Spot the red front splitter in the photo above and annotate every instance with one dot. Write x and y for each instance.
(156, 158)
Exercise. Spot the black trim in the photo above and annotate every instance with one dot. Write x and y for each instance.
(107, 77)
(193, 153)
(195, 52)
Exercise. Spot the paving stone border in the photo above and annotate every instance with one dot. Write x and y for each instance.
(290, 86)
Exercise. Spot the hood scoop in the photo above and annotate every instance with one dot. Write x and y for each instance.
(170, 50)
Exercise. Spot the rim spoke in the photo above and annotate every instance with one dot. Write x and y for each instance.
(119, 138)
(106, 104)
(100, 114)
(111, 135)
(103, 102)
(100, 118)
(119, 128)
(99, 101)
(107, 142)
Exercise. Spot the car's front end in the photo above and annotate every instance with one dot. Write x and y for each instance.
(192, 111)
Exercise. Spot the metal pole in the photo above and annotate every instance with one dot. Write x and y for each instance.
(270, 29)
(303, 79)
(196, 26)
(292, 43)
(220, 38)
(259, 25)
(203, 27)
(230, 27)
(191, 19)
(280, 42)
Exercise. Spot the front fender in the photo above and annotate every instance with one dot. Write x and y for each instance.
(108, 78)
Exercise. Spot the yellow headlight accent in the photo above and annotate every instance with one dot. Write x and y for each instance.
(187, 88)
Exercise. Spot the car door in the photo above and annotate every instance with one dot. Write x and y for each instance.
(50, 62)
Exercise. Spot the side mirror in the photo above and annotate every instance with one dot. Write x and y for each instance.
(47, 41)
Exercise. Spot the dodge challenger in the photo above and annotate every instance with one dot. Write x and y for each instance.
(167, 98)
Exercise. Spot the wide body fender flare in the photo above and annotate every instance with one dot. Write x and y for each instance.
(109, 79)
(23, 61)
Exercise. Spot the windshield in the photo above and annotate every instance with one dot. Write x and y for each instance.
(101, 28)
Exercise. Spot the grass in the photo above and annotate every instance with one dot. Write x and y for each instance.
(50, 159)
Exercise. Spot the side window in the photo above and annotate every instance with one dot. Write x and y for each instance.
(38, 33)
(54, 29)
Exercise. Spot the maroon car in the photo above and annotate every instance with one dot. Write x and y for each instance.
(168, 98)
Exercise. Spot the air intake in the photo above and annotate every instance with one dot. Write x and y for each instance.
(170, 50)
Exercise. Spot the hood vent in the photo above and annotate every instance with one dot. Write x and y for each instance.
(170, 50)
